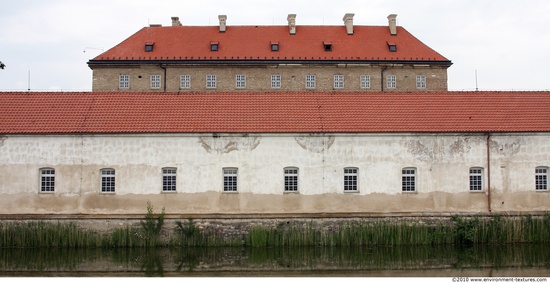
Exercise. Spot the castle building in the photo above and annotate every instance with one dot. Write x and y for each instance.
(181, 58)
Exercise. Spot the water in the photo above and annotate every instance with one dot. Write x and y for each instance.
(409, 261)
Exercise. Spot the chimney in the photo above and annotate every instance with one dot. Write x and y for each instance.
(392, 23)
(291, 23)
(348, 21)
(176, 22)
(222, 19)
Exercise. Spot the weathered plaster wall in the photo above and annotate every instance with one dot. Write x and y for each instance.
(442, 163)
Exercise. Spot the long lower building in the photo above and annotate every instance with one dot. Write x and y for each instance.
(274, 153)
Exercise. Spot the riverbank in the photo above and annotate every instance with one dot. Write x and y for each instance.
(158, 230)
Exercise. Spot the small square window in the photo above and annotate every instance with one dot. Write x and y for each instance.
(327, 45)
(276, 81)
(339, 81)
(149, 46)
(214, 46)
(392, 46)
(274, 46)
(365, 81)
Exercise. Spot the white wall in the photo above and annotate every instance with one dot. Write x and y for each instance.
(442, 162)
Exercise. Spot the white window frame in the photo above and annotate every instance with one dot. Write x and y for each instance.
(107, 180)
(169, 177)
(185, 81)
(47, 180)
(365, 81)
(310, 81)
(210, 81)
(541, 179)
(476, 179)
(391, 81)
(351, 179)
(230, 179)
(240, 81)
(408, 180)
(338, 81)
(276, 81)
(155, 81)
(124, 81)
(421, 81)
(291, 179)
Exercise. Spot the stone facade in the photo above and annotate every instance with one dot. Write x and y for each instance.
(441, 163)
(258, 78)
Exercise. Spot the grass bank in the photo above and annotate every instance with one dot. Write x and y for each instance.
(492, 230)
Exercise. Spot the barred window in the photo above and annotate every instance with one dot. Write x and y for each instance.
(47, 180)
(310, 81)
(124, 82)
(421, 81)
(350, 179)
(155, 81)
(185, 81)
(541, 178)
(275, 81)
(476, 177)
(338, 81)
(391, 81)
(291, 179)
(365, 81)
(168, 179)
(408, 179)
(210, 81)
(107, 180)
(240, 81)
(229, 179)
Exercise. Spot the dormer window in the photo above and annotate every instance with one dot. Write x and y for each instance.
(392, 46)
(149, 46)
(214, 46)
(274, 46)
(327, 45)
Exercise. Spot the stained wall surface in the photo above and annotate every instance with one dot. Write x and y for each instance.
(441, 163)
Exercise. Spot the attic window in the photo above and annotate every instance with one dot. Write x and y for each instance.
(149, 46)
(214, 46)
(327, 45)
(392, 46)
(274, 46)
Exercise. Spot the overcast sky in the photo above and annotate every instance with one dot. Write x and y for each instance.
(506, 41)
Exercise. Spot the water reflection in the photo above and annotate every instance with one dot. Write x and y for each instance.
(534, 260)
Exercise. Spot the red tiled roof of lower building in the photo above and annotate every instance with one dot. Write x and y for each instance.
(274, 112)
(254, 43)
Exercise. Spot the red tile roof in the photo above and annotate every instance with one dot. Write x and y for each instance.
(368, 43)
(274, 112)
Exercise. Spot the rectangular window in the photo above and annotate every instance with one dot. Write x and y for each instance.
(210, 81)
(155, 81)
(476, 177)
(350, 179)
(275, 81)
(47, 180)
(168, 179)
(391, 81)
(291, 179)
(185, 81)
(420, 81)
(408, 179)
(230, 179)
(338, 81)
(240, 81)
(365, 81)
(107, 180)
(310, 81)
(124, 82)
(541, 178)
